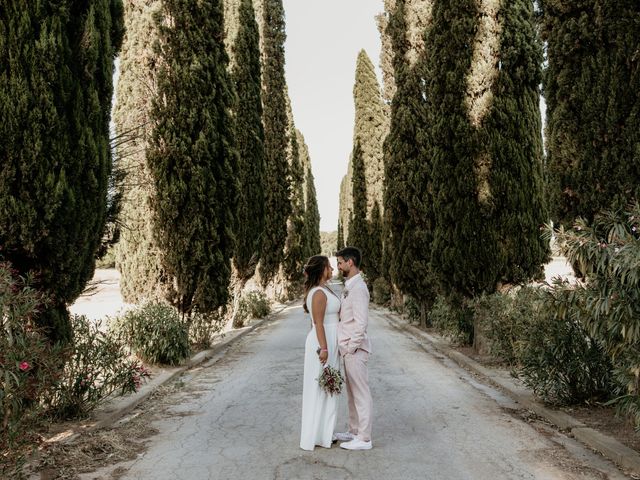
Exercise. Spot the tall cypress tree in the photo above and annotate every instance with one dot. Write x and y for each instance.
(592, 89)
(359, 229)
(295, 244)
(408, 212)
(463, 248)
(247, 77)
(277, 204)
(55, 103)
(137, 253)
(312, 214)
(192, 157)
(512, 137)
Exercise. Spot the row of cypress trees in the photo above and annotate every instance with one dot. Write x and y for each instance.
(467, 184)
(234, 187)
(203, 145)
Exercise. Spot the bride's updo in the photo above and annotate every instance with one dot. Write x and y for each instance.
(313, 273)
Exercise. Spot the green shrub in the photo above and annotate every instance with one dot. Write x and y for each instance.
(560, 361)
(108, 260)
(607, 256)
(453, 317)
(155, 333)
(97, 367)
(29, 366)
(503, 321)
(411, 309)
(381, 291)
(253, 304)
(202, 328)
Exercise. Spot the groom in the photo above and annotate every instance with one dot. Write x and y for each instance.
(355, 348)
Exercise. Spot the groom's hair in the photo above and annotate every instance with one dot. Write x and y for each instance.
(350, 253)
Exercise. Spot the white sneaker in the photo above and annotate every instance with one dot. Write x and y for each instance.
(343, 437)
(357, 444)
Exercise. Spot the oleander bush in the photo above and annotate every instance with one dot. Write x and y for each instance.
(203, 327)
(29, 366)
(559, 359)
(606, 254)
(155, 333)
(97, 367)
(253, 304)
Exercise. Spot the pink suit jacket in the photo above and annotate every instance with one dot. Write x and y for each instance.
(354, 317)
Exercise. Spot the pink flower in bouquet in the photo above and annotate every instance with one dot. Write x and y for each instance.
(24, 366)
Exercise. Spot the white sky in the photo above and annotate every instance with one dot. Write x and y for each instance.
(323, 41)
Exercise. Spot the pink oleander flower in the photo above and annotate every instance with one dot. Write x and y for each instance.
(24, 366)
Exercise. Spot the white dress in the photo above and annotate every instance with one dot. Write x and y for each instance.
(319, 410)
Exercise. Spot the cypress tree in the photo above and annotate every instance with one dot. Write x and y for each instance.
(370, 127)
(295, 246)
(359, 225)
(463, 248)
(484, 138)
(247, 77)
(137, 253)
(592, 89)
(511, 134)
(312, 214)
(55, 103)
(192, 156)
(409, 218)
(277, 204)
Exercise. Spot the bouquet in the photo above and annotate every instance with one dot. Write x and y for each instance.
(330, 380)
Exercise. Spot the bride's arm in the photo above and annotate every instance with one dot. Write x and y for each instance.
(318, 307)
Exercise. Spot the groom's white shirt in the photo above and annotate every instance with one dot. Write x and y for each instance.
(354, 316)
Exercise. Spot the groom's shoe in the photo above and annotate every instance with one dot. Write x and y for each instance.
(357, 444)
(343, 437)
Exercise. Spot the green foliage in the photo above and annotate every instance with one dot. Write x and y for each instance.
(607, 255)
(97, 367)
(328, 241)
(376, 231)
(276, 126)
(137, 254)
(254, 304)
(359, 225)
(504, 320)
(512, 139)
(312, 218)
(486, 161)
(108, 260)
(192, 157)
(407, 200)
(55, 102)
(381, 291)
(155, 333)
(453, 317)
(340, 241)
(247, 77)
(28, 368)
(203, 327)
(592, 90)
(560, 360)
(295, 252)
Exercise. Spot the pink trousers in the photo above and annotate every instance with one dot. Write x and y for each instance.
(358, 394)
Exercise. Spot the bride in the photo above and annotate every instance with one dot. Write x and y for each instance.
(319, 409)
